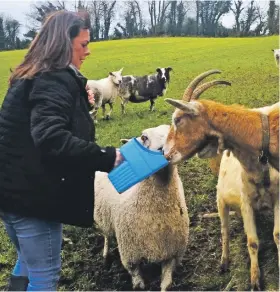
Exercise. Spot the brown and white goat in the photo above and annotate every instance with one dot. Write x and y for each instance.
(203, 128)
(243, 191)
(195, 123)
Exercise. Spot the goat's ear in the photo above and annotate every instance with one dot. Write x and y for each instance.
(272, 50)
(169, 69)
(121, 70)
(158, 70)
(111, 73)
(124, 141)
(190, 108)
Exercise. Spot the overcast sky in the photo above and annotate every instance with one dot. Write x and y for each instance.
(19, 8)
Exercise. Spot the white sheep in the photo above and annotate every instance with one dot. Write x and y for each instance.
(105, 91)
(276, 54)
(150, 220)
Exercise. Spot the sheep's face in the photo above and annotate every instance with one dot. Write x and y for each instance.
(163, 74)
(116, 77)
(153, 138)
(187, 134)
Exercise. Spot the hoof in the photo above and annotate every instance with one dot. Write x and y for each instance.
(224, 268)
(107, 118)
(107, 263)
(256, 286)
(139, 286)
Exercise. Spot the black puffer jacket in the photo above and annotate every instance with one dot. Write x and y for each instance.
(47, 152)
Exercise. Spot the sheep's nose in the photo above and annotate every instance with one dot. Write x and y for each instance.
(120, 82)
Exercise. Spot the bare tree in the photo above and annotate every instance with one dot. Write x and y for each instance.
(172, 17)
(108, 14)
(123, 32)
(81, 5)
(133, 19)
(210, 13)
(237, 10)
(140, 16)
(152, 7)
(197, 16)
(176, 16)
(261, 27)
(31, 34)
(158, 15)
(96, 16)
(273, 18)
(41, 9)
(182, 10)
(2, 33)
(250, 17)
(11, 29)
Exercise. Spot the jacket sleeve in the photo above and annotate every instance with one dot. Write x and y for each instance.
(51, 110)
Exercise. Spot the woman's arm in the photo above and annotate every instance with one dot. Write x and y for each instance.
(51, 110)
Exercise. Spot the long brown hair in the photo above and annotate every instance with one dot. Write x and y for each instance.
(52, 47)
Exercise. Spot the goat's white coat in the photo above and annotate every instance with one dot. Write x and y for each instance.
(242, 190)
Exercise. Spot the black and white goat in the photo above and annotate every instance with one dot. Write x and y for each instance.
(138, 89)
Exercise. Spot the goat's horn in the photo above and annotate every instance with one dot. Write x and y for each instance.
(192, 86)
(207, 85)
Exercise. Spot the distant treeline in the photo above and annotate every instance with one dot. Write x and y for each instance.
(131, 19)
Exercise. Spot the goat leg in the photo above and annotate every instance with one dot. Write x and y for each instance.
(252, 241)
(123, 104)
(152, 106)
(224, 217)
(276, 234)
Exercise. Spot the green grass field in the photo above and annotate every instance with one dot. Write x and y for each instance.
(248, 63)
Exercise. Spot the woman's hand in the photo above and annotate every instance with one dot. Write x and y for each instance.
(119, 158)
(90, 95)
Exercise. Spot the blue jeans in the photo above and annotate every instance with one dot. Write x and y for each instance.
(38, 245)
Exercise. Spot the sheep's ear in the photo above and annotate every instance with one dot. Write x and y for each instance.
(111, 73)
(124, 141)
(272, 50)
(190, 108)
(158, 70)
(169, 68)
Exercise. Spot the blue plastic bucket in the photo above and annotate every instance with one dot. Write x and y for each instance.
(139, 163)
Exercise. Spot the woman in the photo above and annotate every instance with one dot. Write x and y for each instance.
(48, 156)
